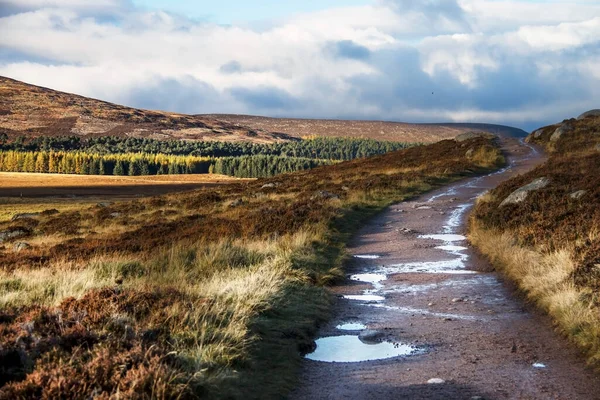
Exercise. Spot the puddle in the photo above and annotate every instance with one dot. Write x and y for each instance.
(370, 278)
(367, 256)
(422, 312)
(539, 365)
(350, 349)
(351, 327)
(364, 297)
(446, 237)
(451, 247)
(455, 266)
(455, 218)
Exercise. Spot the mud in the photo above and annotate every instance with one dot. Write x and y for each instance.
(435, 293)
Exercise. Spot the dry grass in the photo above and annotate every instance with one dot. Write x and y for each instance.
(545, 277)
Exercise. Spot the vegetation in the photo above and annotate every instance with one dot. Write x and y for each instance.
(213, 293)
(550, 243)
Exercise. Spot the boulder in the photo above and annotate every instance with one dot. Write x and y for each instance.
(469, 153)
(578, 194)
(370, 336)
(538, 133)
(472, 135)
(521, 194)
(591, 113)
(104, 204)
(24, 215)
(20, 246)
(12, 234)
(268, 186)
(560, 131)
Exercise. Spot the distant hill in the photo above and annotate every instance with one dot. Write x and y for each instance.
(36, 111)
(379, 130)
(33, 111)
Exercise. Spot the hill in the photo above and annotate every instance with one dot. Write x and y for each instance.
(542, 229)
(34, 111)
(378, 130)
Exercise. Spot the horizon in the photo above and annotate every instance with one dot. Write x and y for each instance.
(467, 61)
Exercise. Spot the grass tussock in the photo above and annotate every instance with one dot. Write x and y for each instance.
(213, 293)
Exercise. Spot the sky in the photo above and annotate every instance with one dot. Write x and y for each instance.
(520, 63)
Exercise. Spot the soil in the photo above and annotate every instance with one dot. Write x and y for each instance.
(471, 328)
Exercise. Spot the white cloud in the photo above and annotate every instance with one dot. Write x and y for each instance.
(498, 60)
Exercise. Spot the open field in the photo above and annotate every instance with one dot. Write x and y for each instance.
(548, 242)
(36, 192)
(211, 293)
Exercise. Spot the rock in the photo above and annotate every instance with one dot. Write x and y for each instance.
(323, 194)
(268, 186)
(104, 204)
(236, 203)
(457, 300)
(370, 336)
(591, 113)
(12, 234)
(345, 188)
(472, 135)
(424, 208)
(578, 194)
(24, 215)
(538, 133)
(469, 153)
(521, 194)
(435, 381)
(566, 127)
(115, 214)
(21, 246)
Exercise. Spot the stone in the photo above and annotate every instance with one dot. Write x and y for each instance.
(520, 194)
(24, 215)
(370, 336)
(457, 300)
(115, 214)
(473, 135)
(591, 113)
(469, 153)
(11, 234)
(578, 194)
(104, 204)
(538, 133)
(236, 203)
(21, 246)
(566, 127)
(436, 381)
(268, 186)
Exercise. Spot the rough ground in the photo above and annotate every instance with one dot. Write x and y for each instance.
(472, 329)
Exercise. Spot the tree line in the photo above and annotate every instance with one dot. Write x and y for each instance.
(133, 164)
(316, 147)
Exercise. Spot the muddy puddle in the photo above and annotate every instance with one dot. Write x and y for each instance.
(350, 349)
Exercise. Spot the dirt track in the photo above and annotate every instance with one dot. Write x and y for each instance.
(468, 327)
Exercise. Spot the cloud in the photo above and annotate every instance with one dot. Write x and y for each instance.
(500, 61)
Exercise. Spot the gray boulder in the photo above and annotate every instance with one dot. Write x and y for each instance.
(538, 133)
(370, 336)
(24, 215)
(521, 193)
(12, 234)
(236, 203)
(472, 135)
(268, 186)
(21, 246)
(560, 131)
(578, 194)
(591, 113)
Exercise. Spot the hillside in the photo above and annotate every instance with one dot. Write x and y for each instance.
(378, 130)
(34, 111)
(542, 229)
